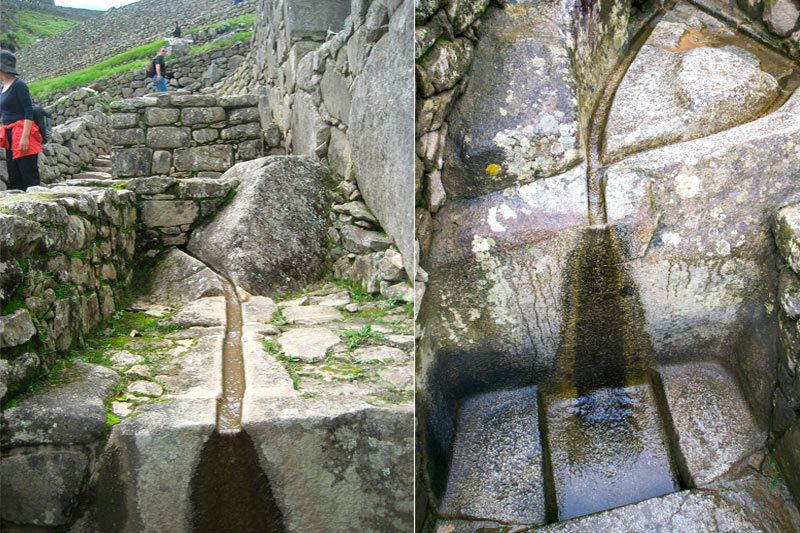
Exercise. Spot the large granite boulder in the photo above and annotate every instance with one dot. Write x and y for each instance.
(383, 133)
(272, 238)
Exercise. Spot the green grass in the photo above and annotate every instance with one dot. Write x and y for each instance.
(241, 36)
(247, 20)
(33, 25)
(130, 60)
(360, 336)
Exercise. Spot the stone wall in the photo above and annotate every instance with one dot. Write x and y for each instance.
(66, 257)
(785, 430)
(180, 134)
(339, 80)
(188, 72)
(118, 30)
(444, 39)
(73, 148)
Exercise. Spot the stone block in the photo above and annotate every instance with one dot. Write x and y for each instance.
(251, 130)
(162, 162)
(127, 137)
(305, 19)
(335, 93)
(124, 120)
(714, 427)
(202, 115)
(16, 328)
(131, 162)
(243, 114)
(248, 150)
(203, 188)
(309, 129)
(193, 100)
(496, 470)
(241, 100)
(167, 137)
(159, 116)
(359, 240)
(162, 213)
(339, 152)
(218, 158)
(205, 135)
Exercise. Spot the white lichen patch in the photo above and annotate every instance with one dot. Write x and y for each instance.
(481, 244)
(723, 247)
(686, 185)
(671, 238)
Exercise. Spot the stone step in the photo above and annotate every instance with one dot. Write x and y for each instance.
(496, 469)
(102, 161)
(88, 175)
(712, 425)
(95, 168)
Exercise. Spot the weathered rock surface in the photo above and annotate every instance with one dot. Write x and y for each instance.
(517, 120)
(714, 427)
(270, 251)
(670, 94)
(335, 464)
(41, 488)
(179, 278)
(311, 314)
(496, 471)
(69, 413)
(142, 479)
(709, 273)
(202, 312)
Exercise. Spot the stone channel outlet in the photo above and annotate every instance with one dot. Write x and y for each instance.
(608, 421)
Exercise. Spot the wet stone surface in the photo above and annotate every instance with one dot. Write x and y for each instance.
(496, 470)
(606, 449)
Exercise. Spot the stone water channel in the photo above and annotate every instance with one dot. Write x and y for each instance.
(609, 425)
(230, 491)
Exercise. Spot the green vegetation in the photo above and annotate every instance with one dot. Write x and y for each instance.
(32, 25)
(130, 60)
(247, 20)
(360, 336)
(241, 36)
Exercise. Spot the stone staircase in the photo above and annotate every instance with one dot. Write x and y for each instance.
(100, 169)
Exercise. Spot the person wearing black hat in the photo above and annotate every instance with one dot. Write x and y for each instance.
(18, 134)
(177, 32)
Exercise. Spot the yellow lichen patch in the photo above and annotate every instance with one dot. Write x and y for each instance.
(515, 11)
(493, 169)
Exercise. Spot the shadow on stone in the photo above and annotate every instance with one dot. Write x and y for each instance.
(230, 492)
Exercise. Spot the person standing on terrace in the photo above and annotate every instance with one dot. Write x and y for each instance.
(18, 134)
(160, 78)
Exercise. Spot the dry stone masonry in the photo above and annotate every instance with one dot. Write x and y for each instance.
(180, 134)
(190, 73)
(67, 259)
(338, 90)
